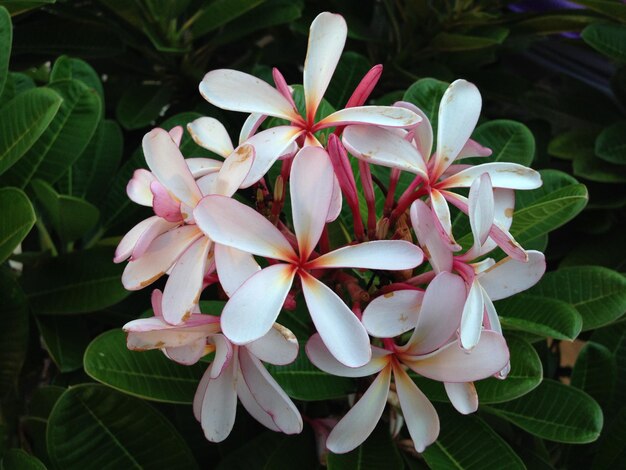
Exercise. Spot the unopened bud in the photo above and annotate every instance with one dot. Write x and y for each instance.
(382, 228)
(279, 188)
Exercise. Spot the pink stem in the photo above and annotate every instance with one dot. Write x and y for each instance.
(370, 200)
(393, 183)
(282, 87)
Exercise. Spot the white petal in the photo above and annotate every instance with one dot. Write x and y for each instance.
(321, 357)
(463, 396)
(327, 37)
(188, 354)
(146, 230)
(311, 173)
(383, 147)
(234, 170)
(361, 420)
(503, 175)
(438, 253)
(250, 126)
(379, 254)
(237, 267)
(473, 149)
(472, 317)
(208, 183)
(219, 404)
(138, 188)
(388, 116)
(509, 276)
(342, 332)
(392, 314)
(443, 218)
(238, 91)
(481, 209)
(203, 166)
(268, 394)
(336, 200)
(183, 288)
(200, 392)
(250, 404)
(279, 346)
(253, 308)
(224, 352)
(423, 132)
(168, 165)
(493, 319)
(419, 413)
(176, 133)
(155, 333)
(231, 223)
(211, 134)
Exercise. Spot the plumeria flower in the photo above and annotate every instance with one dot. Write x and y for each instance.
(432, 352)
(254, 307)
(458, 114)
(171, 241)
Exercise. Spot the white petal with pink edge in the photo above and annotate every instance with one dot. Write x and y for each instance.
(423, 132)
(443, 220)
(438, 252)
(472, 317)
(224, 352)
(203, 166)
(378, 254)
(481, 209)
(463, 396)
(250, 126)
(211, 134)
(387, 116)
(419, 413)
(231, 223)
(238, 91)
(311, 173)
(342, 332)
(253, 308)
(163, 204)
(250, 404)
(168, 165)
(392, 314)
(138, 188)
(473, 149)
(183, 288)
(509, 276)
(383, 147)
(503, 175)
(279, 346)
(142, 233)
(336, 201)
(234, 267)
(234, 170)
(176, 133)
(188, 354)
(321, 357)
(154, 333)
(362, 418)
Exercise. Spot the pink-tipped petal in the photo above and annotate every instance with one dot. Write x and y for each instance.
(423, 132)
(504, 239)
(503, 175)
(472, 317)
(224, 352)
(440, 314)
(169, 167)
(453, 364)
(253, 308)
(379, 254)
(419, 413)
(268, 394)
(211, 134)
(234, 267)
(336, 201)
(200, 167)
(250, 126)
(327, 37)
(183, 288)
(234, 170)
(508, 277)
(311, 173)
(153, 225)
(393, 314)
(342, 332)
(481, 209)
(321, 357)
(138, 188)
(365, 87)
(250, 404)
(231, 223)
(361, 420)
(176, 133)
(463, 396)
(439, 255)
(279, 346)
(387, 116)
(473, 149)
(443, 220)
(159, 257)
(163, 204)
(492, 320)
(238, 91)
(383, 147)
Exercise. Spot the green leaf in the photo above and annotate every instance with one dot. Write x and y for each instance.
(510, 141)
(350, 70)
(70, 216)
(599, 294)
(594, 372)
(68, 68)
(65, 138)
(607, 38)
(450, 42)
(253, 454)
(467, 442)
(65, 338)
(299, 448)
(17, 459)
(43, 400)
(568, 144)
(15, 84)
(145, 374)
(79, 282)
(17, 217)
(592, 168)
(378, 451)
(426, 94)
(540, 316)
(142, 104)
(303, 381)
(6, 38)
(612, 9)
(93, 426)
(24, 119)
(555, 412)
(611, 144)
(611, 452)
(218, 13)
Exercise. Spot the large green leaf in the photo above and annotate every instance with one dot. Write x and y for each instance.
(608, 39)
(17, 217)
(17, 459)
(142, 104)
(611, 144)
(146, 374)
(510, 141)
(555, 412)
(594, 372)
(426, 95)
(599, 294)
(540, 316)
(24, 119)
(6, 38)
(93, 426)
(218, 13)
(79, 282)
(467, 442)
(65, 338)
(69, 68)
(611, 452)
(350, 70)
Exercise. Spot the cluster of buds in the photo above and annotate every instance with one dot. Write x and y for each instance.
(438, 322)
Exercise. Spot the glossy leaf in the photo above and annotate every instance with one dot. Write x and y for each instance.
(608, 39)
(65, 338)
(555, 412)
(594, 372)
(6, 38)
(17, 459)
(145, 374)
(426, 95)
(142, 104)
(17, 217)
(69, 68)
(350, 70)
(611, 144)
(93, 426)
(510, 141)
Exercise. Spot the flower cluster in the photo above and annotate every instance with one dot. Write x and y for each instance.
(437, 321)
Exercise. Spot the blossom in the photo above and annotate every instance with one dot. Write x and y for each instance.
(253, 308)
